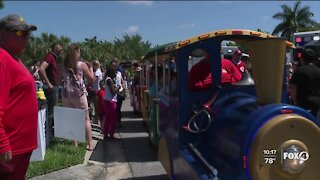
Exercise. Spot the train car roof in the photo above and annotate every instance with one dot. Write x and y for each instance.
(166, 48)
(226, 33)
(307, 32)
(162, 49)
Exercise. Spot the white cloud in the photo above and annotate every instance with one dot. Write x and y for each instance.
(187, 26)
(144, 3)
(264, 17)
(132, 29)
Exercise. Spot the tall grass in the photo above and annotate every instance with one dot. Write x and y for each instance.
(59, 155)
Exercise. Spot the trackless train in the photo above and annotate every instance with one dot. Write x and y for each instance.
(229, 131)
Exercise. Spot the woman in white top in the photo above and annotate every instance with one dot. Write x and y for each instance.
(110, 101)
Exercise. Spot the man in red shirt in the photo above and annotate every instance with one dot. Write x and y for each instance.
(18, 101)
(48, 70)
(236, 59)
(200, 79)
(229, 72)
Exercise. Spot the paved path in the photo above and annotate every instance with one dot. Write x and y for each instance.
(131, 157)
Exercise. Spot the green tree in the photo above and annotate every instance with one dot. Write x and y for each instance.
(293, 19)
(263, 31)
(1, 4)
(38, 47)
(130, 47)
(93, 49)
(313, 28)
(231, 43)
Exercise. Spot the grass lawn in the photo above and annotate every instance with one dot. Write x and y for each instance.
(59, 155)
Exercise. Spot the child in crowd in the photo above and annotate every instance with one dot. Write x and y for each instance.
(110, 102)
(100, 95)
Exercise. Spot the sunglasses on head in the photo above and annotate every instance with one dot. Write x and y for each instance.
(21, 33)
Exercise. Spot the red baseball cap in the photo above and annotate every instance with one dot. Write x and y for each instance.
(237, 52)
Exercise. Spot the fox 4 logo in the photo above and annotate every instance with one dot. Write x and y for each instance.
(303, 156)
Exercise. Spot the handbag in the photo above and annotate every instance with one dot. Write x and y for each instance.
(121, 95)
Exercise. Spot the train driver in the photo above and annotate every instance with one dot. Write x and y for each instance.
(200, 79)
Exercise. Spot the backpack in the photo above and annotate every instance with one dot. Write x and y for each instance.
(72, 86)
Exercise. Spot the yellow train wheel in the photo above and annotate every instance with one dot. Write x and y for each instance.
(279, 149)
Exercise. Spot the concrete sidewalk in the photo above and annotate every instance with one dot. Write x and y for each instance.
(130, 157)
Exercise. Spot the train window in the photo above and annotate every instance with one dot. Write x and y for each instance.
(236, 65)
(167, 77)
(155, 84)
(161, 76)
(164, 84)
(307, 39)
(173, 77)
(170, 79)
(235, 68)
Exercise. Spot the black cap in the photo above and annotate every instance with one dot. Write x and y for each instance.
(14, 22)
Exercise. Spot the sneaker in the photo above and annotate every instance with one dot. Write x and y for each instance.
(114, 138)
(106, 137)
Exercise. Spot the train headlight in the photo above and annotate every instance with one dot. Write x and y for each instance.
(294, 159)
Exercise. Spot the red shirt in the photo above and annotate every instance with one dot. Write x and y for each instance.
(241, 66)
(51, 70)
(18, 107)
(229, 72)
(100, 95)
(199, 77)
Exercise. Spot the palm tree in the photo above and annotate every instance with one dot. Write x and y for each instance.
(1, 4)
(263, 31)
(313, 28)
(293, 20)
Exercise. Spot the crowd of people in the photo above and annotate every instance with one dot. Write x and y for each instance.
(47, 77)
(81, 81)
(101, 89)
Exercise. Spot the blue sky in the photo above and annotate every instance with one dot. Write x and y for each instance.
(158, 22)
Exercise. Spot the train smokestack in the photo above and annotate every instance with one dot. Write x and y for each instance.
(268, 58)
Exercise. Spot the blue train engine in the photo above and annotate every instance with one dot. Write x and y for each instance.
(234, 128)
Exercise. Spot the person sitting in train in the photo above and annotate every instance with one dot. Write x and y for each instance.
(200, 79)
(229, 72)
(236, 59)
